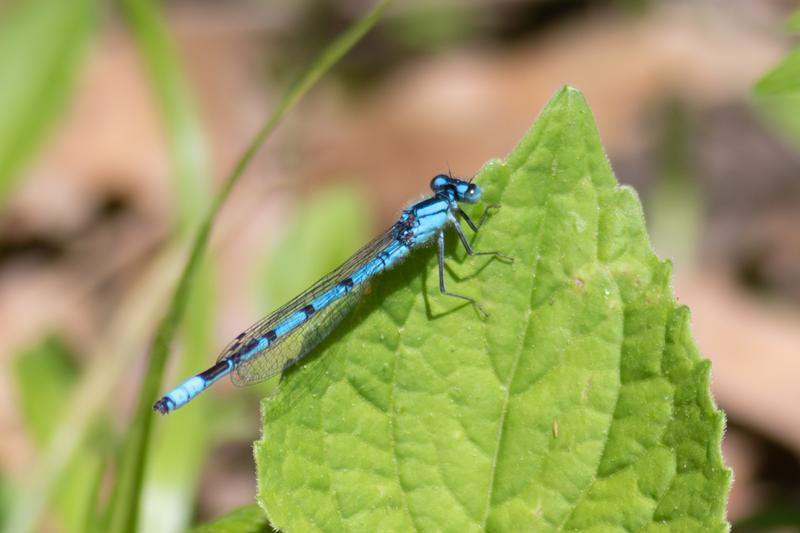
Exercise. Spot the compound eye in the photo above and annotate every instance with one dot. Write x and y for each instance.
(471, 190)
(438, 182)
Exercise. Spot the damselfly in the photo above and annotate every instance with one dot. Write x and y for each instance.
(278, 341)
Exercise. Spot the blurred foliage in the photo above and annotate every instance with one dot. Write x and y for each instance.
(673, 204)
(777, 93)
(127, 489)
(171, 477)
(5, 498)
(247, 519)
(783, 79)
(41, 45)
(776, 99)
(45, 374)
(185, 134)
(793, 22)
(180, 447)
(324, 231)
(781, 113)
(181, 442)
(417, 27)
(76, 496)
(426, 26)
(771, 517)
(636, 6)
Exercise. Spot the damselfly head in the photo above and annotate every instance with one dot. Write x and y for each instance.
(459, 190)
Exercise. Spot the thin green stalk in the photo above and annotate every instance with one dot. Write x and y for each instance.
(126, 498)
(172, 471)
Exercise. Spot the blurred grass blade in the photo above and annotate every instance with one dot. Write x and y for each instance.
(40, 50)
(181, 442)
(44, 375)
(74, 501)
(116, 349)
(171, 475)
(126, 499)
(187, 145)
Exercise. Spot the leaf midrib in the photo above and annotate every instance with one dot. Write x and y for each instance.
(512, 374)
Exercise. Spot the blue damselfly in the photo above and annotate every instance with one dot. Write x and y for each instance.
(282, 338)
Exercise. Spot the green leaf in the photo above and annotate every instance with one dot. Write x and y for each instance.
(248, 519)
(40, 50)
(783, 79)
(580, 403)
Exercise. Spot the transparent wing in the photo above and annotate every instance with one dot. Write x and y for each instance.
(288, 349)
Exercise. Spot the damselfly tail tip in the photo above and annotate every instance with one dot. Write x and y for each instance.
(163, 406)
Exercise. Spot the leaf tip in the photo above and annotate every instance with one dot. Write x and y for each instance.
(568, 94)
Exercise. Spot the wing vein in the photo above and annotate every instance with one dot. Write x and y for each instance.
(261, 352)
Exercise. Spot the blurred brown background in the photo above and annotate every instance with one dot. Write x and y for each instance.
(437, 85)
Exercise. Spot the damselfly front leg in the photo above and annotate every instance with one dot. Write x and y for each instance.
(466, 243)
(475, 227)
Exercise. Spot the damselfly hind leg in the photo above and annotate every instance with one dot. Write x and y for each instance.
(443, 289)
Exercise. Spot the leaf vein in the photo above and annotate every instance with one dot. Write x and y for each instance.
(507, 386)
(333, 492)
(596, 474)
(392, 415)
